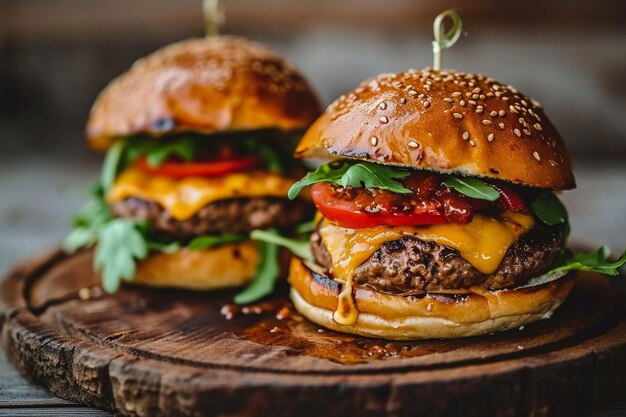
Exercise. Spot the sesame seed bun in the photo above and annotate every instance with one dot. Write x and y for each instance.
(208, 85)
(475, 312)
(446, 121)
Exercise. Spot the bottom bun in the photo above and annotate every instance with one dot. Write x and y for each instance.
(476, 312)
(208, 269)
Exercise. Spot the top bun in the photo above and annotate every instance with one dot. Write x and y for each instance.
(446, 121)
(208, 85)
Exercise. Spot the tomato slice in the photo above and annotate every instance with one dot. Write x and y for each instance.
(199, 169)
(348, 213)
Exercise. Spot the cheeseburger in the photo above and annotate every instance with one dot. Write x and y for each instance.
(437, 214)
(199, 137)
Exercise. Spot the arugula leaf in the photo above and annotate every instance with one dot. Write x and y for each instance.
(156, 151)
(305, 228)
(299, 248)
(472, 187)
(595, 261)
(163, 247)
(87, 224)
(331, 172)
(265, 277)
(111, 165)
(120, 244)
(361, 174)
(375, 176)
(550, 210)
(183, 148)
(205, 242)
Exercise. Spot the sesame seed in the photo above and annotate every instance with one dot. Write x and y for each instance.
(526, 132)
(513, 109)
(472, 142)
(374, 140)
(524, 103)
(536, 155)
(475, 96)
(518, 133)
(382, 105)
(468, 94)
(471, 102)
(402, 100)
(501, 126)
(462, 102)
(490, 94)
(491, 137)
(384, 119)
(457, 115)
(486, 122)
(466, 135)
(426, 104)
(538, 127)
(413, 144)
(476, 90)
(412, 92)
(501, 113)
(521, 120)
(448, 99)
(493, 113)
(456, 94)
(505, 98)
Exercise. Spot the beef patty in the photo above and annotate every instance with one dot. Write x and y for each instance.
(236, 215)
(413, 266)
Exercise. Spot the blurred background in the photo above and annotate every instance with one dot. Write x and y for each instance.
(56, 55)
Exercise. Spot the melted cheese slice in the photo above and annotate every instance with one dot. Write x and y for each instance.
(483, 243)
(183, 197)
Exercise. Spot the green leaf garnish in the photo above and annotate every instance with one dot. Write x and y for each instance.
(156, 151)
(267, 272)
(164, 247)
(88, 223)
(550, 210)
(111, 165)
(305, 228)
(361, 174)
(206, 242)
(120, 245)
(596, 261)
(331, 172)
(299, 248)
(473, 188)
(375, 176)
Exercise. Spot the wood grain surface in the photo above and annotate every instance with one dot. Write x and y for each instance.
(153, 352)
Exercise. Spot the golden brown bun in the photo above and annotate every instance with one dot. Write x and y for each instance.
(207, 85)
(445, 121)
(221, 267)
(433, 316)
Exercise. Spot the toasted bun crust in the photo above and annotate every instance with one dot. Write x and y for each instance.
(207, 85)
(221, 267)
(433, 316)
(445, 121)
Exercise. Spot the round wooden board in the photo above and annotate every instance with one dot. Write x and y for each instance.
(148, 352)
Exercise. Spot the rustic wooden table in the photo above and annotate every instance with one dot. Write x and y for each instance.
(35, 208)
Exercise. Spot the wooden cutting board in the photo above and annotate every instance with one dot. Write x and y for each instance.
(147, 352)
